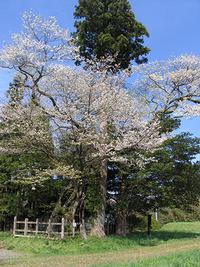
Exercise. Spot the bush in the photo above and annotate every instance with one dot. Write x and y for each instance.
(139, 222)
(191, 214)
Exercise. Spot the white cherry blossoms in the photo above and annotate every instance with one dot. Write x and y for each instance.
(93, 106)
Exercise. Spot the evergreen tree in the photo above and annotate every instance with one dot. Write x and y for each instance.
(171, 180)
(15, 93)
(109, 28)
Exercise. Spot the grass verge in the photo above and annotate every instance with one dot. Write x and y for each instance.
(184, 259)
(110, 250)
(170, 233)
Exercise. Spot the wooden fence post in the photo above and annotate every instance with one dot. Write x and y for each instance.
(26, 226)
(49, 228)
(14, 225)
(36, 226)
(156, 215)
(63, 228)
(73, 228)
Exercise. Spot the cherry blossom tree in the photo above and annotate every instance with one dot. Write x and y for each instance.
(172, 86)
(93, 106)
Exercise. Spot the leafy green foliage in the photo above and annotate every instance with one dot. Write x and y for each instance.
(109, 28)
(172, 179)
(19, 197)
(191, 213)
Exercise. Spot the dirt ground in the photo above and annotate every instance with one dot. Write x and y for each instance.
(10, 258)
(7, 255)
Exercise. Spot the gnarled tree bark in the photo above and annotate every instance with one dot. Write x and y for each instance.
(98, 228)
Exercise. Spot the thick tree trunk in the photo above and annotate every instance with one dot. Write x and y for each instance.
(99, 222)
(98, 228)
(121, 228)
(82, 217)
(53, 217)
(83, 228)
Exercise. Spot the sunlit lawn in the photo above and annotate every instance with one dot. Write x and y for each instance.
(127, 251)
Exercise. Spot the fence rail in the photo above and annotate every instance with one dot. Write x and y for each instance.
(33, 228)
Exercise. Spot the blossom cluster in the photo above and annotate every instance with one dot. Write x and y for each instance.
(92, 105)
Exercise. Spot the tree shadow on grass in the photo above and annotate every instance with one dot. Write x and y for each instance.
(158, 237)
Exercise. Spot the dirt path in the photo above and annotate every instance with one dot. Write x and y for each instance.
(111, 257)
(129, 255)
(7, 255)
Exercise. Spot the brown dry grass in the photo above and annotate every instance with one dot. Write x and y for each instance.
(104, 258)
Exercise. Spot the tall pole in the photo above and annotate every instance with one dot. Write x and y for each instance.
(14, 225)
(149, 225)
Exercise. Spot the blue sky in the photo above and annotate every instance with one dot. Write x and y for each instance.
(173, 26)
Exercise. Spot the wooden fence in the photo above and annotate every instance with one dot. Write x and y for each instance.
(34, 228)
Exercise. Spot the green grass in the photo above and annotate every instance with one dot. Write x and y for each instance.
(189, 227)
(41, 246)
(169, 233)
(110, 251)
(184, 259)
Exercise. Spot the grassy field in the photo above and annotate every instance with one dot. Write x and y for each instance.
(184, 259)
(111, 251)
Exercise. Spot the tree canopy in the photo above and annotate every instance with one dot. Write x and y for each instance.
(85, 119)
(109, 28)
